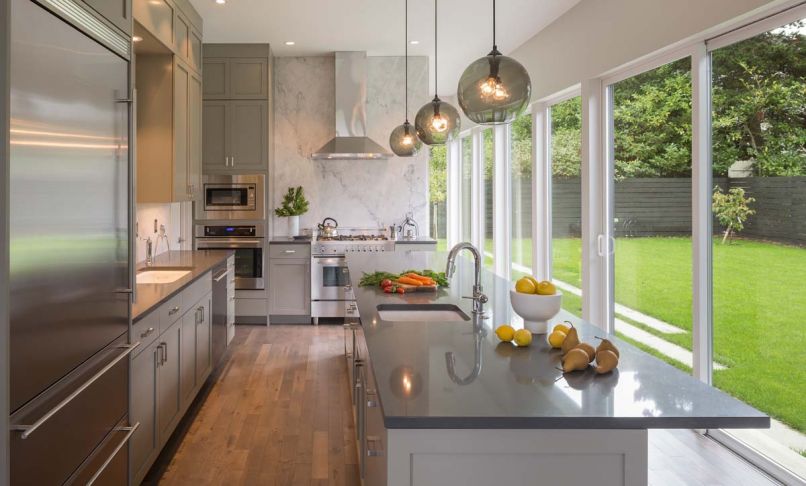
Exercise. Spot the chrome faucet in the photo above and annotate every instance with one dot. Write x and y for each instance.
(149, 252)
(479, 299)
(478, 339)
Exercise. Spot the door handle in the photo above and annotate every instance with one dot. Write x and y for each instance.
(164, 346)
(129, 432)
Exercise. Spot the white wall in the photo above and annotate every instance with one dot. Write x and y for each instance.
(357, 193)
(597, 36)
(167, 214)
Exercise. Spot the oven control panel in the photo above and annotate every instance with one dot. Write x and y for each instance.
(227, 231)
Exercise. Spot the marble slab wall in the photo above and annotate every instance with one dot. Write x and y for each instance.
(357, 193)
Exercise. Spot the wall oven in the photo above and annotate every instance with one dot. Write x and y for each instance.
(228, 197)
(248, 243)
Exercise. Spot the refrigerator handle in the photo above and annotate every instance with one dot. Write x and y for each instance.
(131, 101)
(129, 431)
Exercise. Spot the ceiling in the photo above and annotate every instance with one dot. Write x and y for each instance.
(321, 27)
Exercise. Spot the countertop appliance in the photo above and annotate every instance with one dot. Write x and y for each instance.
(331, 292)
(71, 274)
(232, 197)
(219, 312)
(249, 244)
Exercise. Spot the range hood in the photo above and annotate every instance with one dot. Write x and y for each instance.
(351, 141)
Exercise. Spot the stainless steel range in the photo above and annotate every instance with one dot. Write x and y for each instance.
(331, 292)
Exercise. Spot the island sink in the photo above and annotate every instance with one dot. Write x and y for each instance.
(161, 276)
(421, 313)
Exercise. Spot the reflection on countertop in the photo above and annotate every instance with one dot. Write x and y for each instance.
(197, 262)
(465, 378)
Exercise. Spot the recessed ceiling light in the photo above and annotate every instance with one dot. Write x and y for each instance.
(414, 42)
(136, 38)
(290, 43)
(221, 2)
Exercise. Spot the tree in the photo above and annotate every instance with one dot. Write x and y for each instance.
(437, 174)
(732, 209)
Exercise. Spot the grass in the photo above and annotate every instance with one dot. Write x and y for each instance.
(759, 310)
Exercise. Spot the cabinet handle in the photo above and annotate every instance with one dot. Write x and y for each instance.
(374, 452)
(129, 431)
(233, 161)
(173, 311)
(226, 161)
(157, 356)
(290, 251)
(147, 332)
(164, 352)
(199, 315)
(27, 430)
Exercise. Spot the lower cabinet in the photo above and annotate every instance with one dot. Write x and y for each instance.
(166, 376)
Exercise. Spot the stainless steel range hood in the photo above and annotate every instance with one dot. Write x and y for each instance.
(351, 141)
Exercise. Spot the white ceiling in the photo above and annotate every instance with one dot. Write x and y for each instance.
(324, 26)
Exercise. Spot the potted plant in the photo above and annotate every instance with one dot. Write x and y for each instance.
(294, 204)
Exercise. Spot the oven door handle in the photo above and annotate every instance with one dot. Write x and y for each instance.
(338, 261)
(228, 243)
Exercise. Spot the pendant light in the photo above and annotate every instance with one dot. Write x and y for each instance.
(495, 88)
(403, 140)
(437, 121)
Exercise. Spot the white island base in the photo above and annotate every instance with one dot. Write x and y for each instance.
(523, 457)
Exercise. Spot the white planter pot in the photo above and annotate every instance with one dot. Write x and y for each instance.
(293, 226)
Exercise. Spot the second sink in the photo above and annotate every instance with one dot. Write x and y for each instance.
(160, 276)
(421, 313)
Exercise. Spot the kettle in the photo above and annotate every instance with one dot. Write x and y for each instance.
(327, 230)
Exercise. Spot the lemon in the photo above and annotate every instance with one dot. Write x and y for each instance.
(523, 337)
(556, 338)
(525, 286)
(533, 280)
(562, 327)
(505, 332)
(546, 288)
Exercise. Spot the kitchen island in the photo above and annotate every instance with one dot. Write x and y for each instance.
(442, 402)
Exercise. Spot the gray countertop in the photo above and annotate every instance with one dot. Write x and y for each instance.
(199, 262)
(501, 386)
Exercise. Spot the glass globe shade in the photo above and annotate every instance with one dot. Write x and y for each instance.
(404, 142)
(437, 122)
(494, 89)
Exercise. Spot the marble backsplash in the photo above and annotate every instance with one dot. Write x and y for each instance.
(357, 193)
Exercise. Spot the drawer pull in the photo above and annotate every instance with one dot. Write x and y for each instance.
(377, 452)
(173, 311)
(129, 432)
(372, 403)
(289, 251)
(147, 332)
(27, 430)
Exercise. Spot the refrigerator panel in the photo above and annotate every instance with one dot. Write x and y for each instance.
(69, 199)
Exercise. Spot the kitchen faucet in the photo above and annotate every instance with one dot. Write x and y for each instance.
(149, 252)
(479, 299)
(479, 332)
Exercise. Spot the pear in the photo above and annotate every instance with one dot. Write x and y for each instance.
(608, 344)
(606, 361)
(576, 359)
(588, 350)
(571, 340)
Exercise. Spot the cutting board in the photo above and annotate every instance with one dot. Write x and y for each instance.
(414, 288)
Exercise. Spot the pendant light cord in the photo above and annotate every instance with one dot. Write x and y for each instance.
(495, 47)
(406, 43)
(436, 51)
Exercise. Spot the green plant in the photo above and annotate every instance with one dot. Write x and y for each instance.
(732, 209)
(294, 203)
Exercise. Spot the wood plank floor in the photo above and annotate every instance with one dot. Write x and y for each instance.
(278, 413)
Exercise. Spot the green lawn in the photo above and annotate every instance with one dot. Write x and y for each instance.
(759, 310)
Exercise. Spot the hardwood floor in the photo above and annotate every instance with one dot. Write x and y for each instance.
(278, 413)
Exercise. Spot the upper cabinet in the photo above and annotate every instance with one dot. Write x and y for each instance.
(176, 24)
(236, 78)
(118, 12)
(157, 16)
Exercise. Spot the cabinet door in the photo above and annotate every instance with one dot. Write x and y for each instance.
(119, 12)
(216, 78)
(157, 16)
(187, 355)
(214, 134)
(204, 340)
(248, 78)
(248, 134)
(194, 134)
(181, 106)
(195, 50)
(144, 443)
(182, 36)
(290, 286)
(168, 397)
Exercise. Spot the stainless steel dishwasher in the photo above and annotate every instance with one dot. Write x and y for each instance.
(220, 299)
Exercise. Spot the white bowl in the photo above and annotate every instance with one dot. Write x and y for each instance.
(536, 309)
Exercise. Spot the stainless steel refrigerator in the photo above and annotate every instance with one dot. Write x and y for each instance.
(69, 240)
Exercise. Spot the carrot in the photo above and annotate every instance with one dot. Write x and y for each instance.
(410, 281)
(421, 278)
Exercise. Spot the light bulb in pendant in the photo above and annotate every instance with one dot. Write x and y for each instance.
(439, 123)
(407, 140)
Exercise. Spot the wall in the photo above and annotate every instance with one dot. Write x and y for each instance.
(357, 193)
(597, 36)
(167, 214)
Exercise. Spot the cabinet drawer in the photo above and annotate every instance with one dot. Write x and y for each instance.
(170, 312)
(289, 251)
(145, 331)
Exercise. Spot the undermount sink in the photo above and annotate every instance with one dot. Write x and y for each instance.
(421, 313)
(161, 276)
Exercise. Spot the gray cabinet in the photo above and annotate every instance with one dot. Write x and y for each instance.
(236, 78)
(290, 286)
(187, 356)
(235, 135)
(169, 399)
(157, 16)
(144, 444)
(118, 12)
(203, 334)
